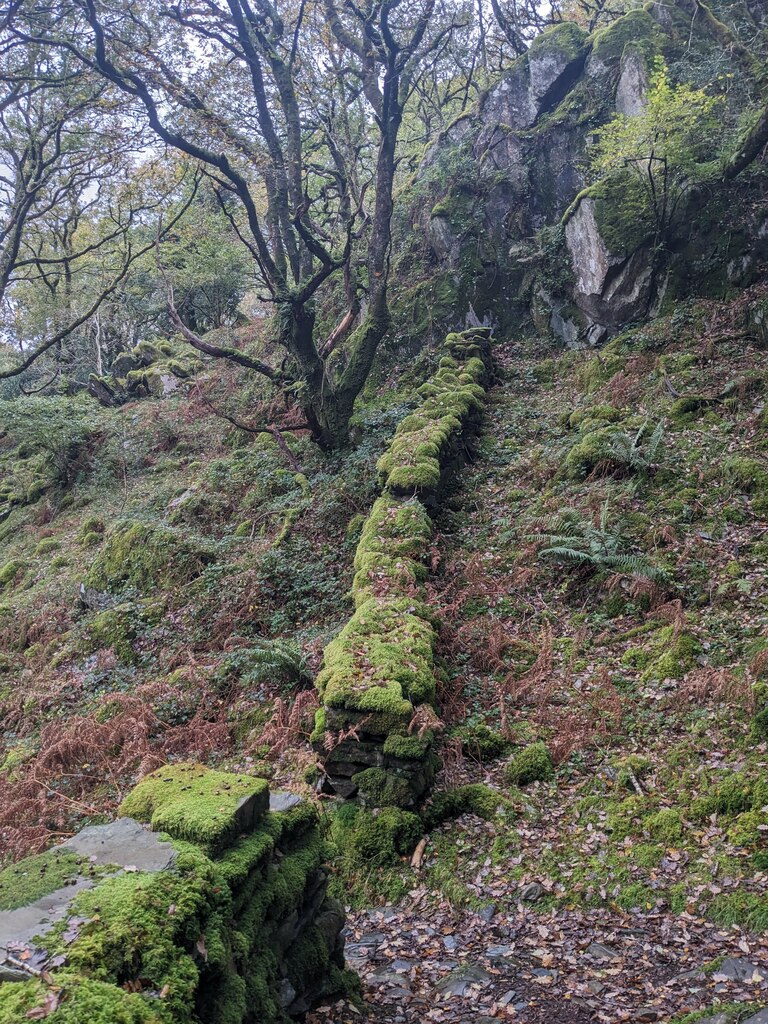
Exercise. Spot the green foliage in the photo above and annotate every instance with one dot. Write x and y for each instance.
(666, 826)
(473, 798)
(481, 743)
(532, 764)
(274, 661)
(78, 999)
(378, 787)
(10, 572)
(735, 794)
(570, 539)
(37, 876)
(610, 450)
(667, 148)
(741, 908)
(375, 838)
(140, 555)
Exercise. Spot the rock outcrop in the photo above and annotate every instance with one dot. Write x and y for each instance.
(523, 232)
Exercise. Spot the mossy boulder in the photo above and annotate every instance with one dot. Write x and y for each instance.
(375, 837)
(474, 798)
(672, 655)
(142, 556)
(588, 454)
(636, 30)
(10, 572)
(531, 764)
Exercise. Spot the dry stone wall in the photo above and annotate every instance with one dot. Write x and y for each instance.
(373, 730)
(206, 902)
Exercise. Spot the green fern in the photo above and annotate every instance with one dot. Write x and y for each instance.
(572, 539)
(272, 661)
(636, 453)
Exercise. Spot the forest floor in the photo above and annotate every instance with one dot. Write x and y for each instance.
(612, 892)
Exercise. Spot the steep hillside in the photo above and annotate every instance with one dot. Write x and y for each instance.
(602, 590)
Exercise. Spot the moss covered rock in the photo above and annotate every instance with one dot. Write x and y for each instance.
(189, 801)
(141, 556)
(532, 764)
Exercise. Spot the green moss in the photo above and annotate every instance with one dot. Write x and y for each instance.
(91, 524)
(749, 829)
(20, 752)
(407, 747)
(731, 1013)
(320, 726)
(9, 572)
(741, 908)
(591, 452)
(382, 837)
(665, 825)
(474, 798)
(414, 462)
(735, 794)
(647, 855)
(115, 629)
(590, 417)
(141, 556)
(632, 768)
(674, 655)
(382, 661)
(760, 725)
(378, 787)
(636, 897)
(480, 742)
(565, 39)
(78, 1000)
(191, 802)
(686, 409)
(37, 876)
(532, 764)
(623, 818)
(46, 545)
(129, 933)
(636, 30)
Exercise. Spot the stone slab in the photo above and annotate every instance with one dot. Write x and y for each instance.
(761, 1017)
(125, 843)
(19, 927)
(739, 968)
(281, 800)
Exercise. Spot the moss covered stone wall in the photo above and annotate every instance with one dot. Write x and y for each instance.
(217, 915)
(378, 678)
